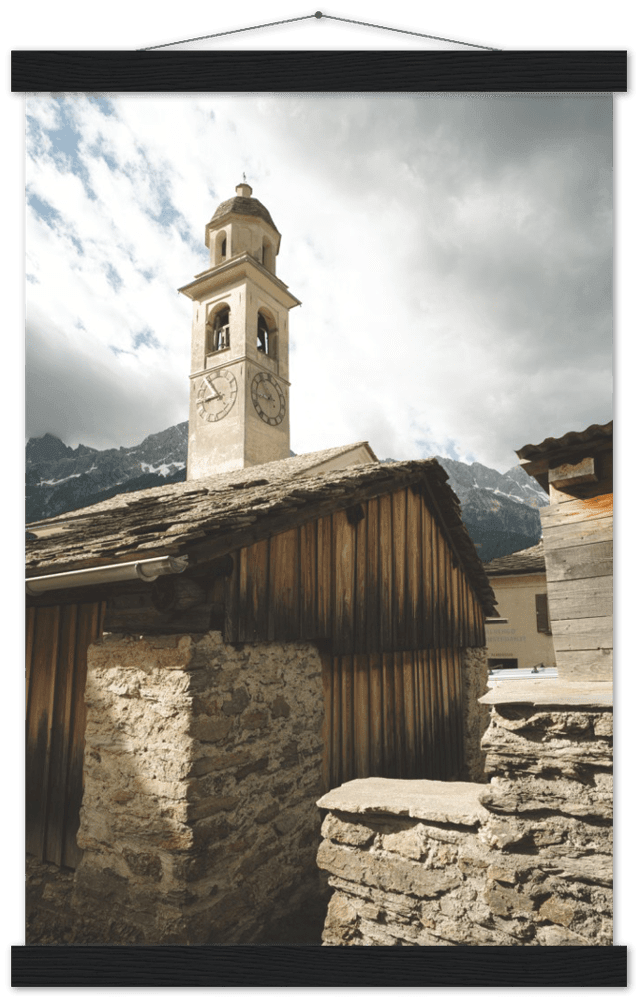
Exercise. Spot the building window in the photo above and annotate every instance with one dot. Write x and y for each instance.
(218, 333)
(268, 259)
(263, 335)
(542, 614)
(221, 247)
(504, 664)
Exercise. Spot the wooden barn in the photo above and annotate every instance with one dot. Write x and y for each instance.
(369, 567)
(577, 527)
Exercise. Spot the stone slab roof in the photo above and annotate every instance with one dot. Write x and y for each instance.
(550, 691)
(439, 801)
(233, 509)
(529, 560)
(570, 440)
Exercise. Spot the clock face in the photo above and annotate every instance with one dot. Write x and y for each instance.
(268, 399)
(216, 395)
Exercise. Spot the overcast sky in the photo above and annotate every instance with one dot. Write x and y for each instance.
(452, 255)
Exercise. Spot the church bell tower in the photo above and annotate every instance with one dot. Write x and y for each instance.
(239, 388)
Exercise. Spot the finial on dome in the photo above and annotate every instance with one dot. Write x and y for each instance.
(244, 190)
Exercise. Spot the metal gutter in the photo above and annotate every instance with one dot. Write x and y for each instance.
(141, 569)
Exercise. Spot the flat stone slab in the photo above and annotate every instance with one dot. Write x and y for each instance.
(439, 801)
(551, 692)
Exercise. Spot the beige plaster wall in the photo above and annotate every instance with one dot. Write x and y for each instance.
(519, 639)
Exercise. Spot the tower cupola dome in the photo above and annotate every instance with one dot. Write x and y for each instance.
(242, 225)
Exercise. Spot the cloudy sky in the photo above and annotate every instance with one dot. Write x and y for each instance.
(452, 255)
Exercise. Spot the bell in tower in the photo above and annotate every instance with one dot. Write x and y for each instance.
(239, 392)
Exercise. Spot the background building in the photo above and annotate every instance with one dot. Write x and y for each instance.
(520, 585)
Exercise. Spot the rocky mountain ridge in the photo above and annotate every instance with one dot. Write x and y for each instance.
(500, 510)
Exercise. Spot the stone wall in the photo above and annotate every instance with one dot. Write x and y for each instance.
(48, 914)
(202, 766)
(475, 674)
(524, 860)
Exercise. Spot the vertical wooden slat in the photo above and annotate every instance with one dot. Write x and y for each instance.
(445, 623)
(30, 629)
(328, 763)
(245, 610)
(308, 581)
(284, 587)
(400, 720)
(344, 590)
(456, 606)
(423, 668)
(39, 723)
(60, 735)
(458, 708)
(480, 637)
(388, 715)
(373, 598)
(421, 733)
(399, 629)
(415, 608)
(231, 594)
(436, 688)
(427, 629)
(470, 613)
(467, 614)
(360, 635)
(386, 574)
(89, 617)
(338, 772)
(324, 578)
(346, 669)
(253, 592)
(410, 762)
(376, 743)
(434, 584)
(447, 722)
(361, 715)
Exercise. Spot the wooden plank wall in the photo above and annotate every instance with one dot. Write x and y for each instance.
(56, 642)
(578, 544)
(393, 715)
(378, 578)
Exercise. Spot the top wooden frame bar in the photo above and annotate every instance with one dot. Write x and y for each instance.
(373, 69)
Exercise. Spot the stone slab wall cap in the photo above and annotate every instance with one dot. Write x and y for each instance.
(439, 801)
(551, 691)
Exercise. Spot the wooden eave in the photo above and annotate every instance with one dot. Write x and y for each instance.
(536, 460)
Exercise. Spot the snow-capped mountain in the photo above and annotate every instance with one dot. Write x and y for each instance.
(59, 478)
(500, 510)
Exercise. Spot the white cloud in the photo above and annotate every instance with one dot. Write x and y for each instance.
(452, 257)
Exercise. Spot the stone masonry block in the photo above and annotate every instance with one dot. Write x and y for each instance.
(385, 872)
(344, 832)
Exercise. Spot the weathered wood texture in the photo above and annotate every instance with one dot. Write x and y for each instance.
(574, 511)
(393, 715)
(590, 598)
(387, 583)
(600, 485)
(57, 641)
(578, 531)
(580, 562)
(584, 633)
(573, 533)
(585, 664)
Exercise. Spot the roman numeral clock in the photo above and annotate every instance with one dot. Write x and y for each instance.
(239, 382)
